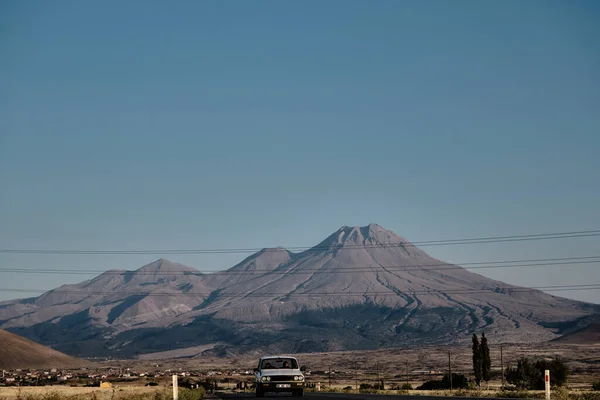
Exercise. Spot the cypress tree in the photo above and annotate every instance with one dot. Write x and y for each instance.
(486, 362)
(477, 360)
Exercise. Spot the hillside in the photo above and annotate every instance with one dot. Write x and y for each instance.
(586, 335)
(360, 288)
(18, 352)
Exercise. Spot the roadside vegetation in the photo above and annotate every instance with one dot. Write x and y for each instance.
(524, 379)
(166, 394)
(529, 373)
(558, 394)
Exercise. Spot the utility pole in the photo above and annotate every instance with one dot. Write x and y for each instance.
(378, 381)
(330, 376)
(450, 370)
(407, 374)
(356, 374)
(502, 365)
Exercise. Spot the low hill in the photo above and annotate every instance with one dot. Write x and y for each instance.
(587, 335)
(18, 352)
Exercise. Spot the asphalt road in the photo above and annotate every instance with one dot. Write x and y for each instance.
(336, 396)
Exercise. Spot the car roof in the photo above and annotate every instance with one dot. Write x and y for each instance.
(281, 356)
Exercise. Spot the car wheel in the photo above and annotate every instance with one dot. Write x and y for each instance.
(260, 393)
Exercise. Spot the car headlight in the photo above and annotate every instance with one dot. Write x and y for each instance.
(265, 379)
(298, 378)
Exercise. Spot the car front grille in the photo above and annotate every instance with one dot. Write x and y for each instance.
(282, 378)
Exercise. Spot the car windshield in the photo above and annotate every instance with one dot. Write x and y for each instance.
(279, 363)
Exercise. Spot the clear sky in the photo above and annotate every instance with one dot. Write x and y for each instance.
(211, 124)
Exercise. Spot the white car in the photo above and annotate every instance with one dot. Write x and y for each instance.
(279, 374)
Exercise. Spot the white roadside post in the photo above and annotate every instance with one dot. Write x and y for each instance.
(175, 388)
(547, 381)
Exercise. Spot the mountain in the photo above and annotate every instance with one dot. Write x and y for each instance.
(18, 352)
(120, 298)
(360, 288)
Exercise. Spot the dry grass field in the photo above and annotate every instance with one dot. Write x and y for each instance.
(82, 393)
(61, 392)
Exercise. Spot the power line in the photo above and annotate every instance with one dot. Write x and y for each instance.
(499, 290)
(337, 269)
(445, 242)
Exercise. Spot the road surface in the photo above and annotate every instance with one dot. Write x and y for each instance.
(336, 396)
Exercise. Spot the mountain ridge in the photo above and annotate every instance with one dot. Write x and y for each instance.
(360, 287)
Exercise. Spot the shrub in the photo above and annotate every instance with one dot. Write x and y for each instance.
(560, 394)
(596, 386)
(406, 386)
(585, 396)
(520, 394)
(459, 381)
(210, 385)
(192, 394)
(365, 386)
(431, 385)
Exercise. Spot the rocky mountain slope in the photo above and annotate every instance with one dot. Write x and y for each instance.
(18, 352)
(362, 287)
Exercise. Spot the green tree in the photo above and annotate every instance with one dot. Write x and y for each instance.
(477, 361)
(486, 362)
(559, 372)
(530, 374)
(524, 375)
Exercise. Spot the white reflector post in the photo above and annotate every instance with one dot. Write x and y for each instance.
(547, 381)
(175, 388)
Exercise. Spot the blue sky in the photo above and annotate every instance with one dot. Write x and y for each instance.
(144, 125)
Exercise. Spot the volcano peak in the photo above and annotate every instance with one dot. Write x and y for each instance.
(362, 235)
